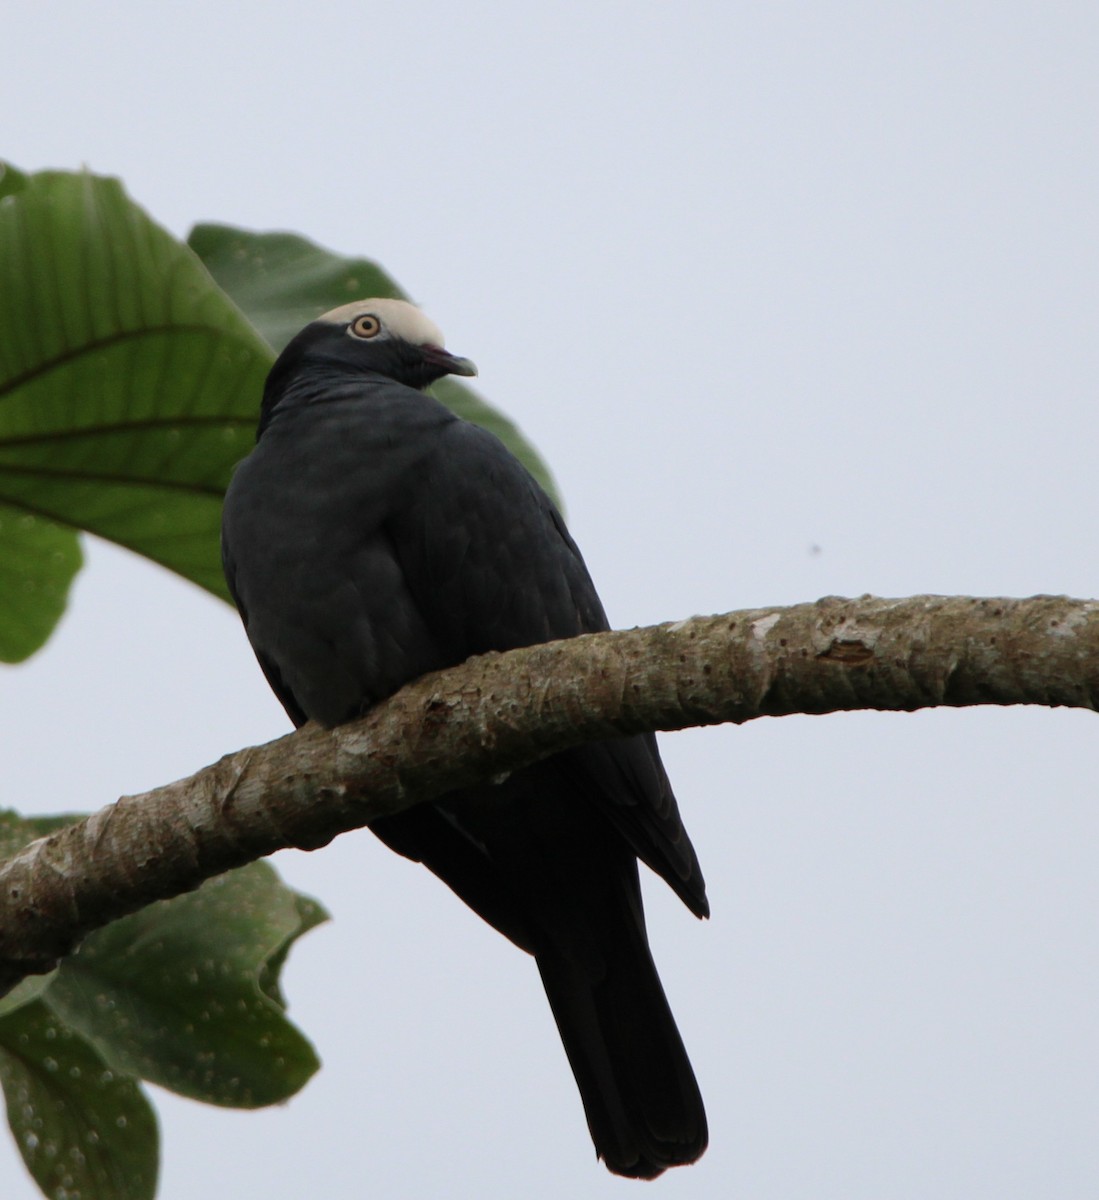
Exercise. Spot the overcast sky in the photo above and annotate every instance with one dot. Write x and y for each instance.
(797, 299)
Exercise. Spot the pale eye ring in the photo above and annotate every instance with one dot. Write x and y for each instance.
(366, 326)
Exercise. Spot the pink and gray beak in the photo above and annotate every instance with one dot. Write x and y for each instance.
(446, 362)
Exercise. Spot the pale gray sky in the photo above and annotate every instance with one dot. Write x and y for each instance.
(756, 279)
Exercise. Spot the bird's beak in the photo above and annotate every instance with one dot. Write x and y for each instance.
(449, 363)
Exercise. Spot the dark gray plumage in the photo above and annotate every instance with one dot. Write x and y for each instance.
(373, 536)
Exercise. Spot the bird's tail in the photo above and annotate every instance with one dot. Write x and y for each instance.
(643, 1105)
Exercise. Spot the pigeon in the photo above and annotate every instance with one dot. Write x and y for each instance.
(372, 536)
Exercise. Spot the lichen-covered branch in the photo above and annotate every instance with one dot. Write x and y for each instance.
(502, 711)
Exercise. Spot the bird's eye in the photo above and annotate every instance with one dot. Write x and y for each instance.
(366, 326)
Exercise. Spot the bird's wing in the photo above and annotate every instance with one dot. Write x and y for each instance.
(267, 664)
(486, 554)
(491, 566)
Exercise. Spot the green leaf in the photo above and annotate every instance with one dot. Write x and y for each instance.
(11, 180)
(38, 561)
(185, 993)
(24, 992)
(283, 281)
(129, 382)
(309, 914)
(81, 1128)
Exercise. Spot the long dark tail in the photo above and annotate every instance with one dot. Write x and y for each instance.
(643, 1105)
(558, 879)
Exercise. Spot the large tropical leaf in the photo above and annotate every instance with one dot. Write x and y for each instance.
(282, 281)
(129, 384)
(38, 560)
(184, 993)
(82, 1129)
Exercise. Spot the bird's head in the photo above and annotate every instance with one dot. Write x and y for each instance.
(385, 337)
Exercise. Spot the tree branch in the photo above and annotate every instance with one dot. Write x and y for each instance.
(500, 712)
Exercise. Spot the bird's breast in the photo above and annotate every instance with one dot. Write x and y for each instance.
(315, 569)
